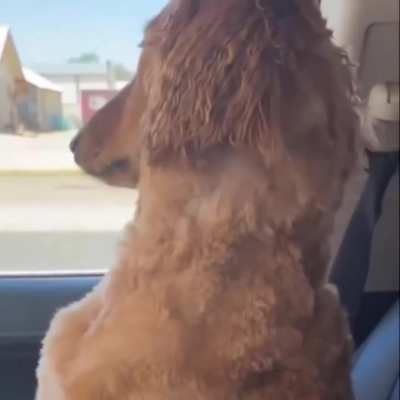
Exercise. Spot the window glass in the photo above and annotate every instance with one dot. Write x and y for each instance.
(60, 62)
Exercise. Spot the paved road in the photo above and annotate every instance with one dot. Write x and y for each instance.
(60, 223)
(59, 252)
(42, 152)
(62, 203)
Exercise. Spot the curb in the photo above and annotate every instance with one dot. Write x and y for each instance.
(40, 173)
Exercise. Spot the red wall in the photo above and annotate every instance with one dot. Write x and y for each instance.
(93, 100)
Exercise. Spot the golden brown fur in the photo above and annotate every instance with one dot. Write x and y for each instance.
(245, 135)
(105, 147)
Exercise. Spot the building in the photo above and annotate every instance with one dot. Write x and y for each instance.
(40, 106)
(73, 78)
(93, 100)
(11, 81)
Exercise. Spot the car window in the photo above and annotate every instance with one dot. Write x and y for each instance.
(57, 68)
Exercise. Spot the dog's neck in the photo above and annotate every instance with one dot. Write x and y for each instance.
(187, 210)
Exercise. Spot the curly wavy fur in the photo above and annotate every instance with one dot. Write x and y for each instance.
(248, 135)
(232, 79)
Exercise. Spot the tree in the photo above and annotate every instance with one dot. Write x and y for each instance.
(85, 58)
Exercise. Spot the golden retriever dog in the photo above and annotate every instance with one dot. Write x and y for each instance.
(239, 132)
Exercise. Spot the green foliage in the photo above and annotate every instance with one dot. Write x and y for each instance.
(85, 58)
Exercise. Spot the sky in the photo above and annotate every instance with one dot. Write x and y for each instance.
(51, 31)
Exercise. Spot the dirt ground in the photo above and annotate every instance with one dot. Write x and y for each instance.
(36, 152)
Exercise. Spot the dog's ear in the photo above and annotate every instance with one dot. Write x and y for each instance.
(220, 79)
(217, 82)
(175, 14)
(228, 75)
(183, 6)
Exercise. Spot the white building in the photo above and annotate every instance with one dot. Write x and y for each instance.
(40, 106)
(11, 80)
(72, 78)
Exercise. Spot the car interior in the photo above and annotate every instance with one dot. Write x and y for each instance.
(369, 31)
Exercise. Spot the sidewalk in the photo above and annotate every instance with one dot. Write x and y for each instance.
(46, 153)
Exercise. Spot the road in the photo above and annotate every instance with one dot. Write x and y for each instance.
(60, 223)
(37, 152)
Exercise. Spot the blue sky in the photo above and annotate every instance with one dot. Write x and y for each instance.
(51, 31)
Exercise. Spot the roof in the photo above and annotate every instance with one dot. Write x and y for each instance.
(71, 69)
(4, 30)
(119, 85)
(39, 81)
(7, 46)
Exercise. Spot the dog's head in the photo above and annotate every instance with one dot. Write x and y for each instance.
(106, 146)
(231, 73)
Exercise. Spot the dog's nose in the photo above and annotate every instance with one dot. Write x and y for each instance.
(74, 143)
